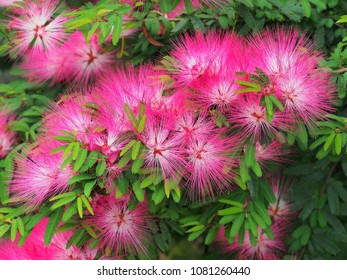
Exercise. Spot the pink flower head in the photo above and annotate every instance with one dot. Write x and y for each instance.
(188, 127)
(274, 152)
(306, 97)
(34, 248)
(218, 92)
(282, 50)
(208, 166)
(7, 137)
(44, 66)
(72, 115)
(249, 116)
(36, 26)
(264, 249)
(164, 151)
(132, 87)
(200, 57)
(38, 176)
(280, 210)
(123, 230)
(85, 61)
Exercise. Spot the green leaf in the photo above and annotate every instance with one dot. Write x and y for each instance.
(137, 165)
(75, 151)
(258, 220)
(322, 219)
(4, 229)
(100, 168)
(117, 29)
(139, 193)
(68, 150)
(87, 204)
(256, 169)
(67, 161)
(88, 187)
(211, 235)
(252, 225)
(250, 85)
(90, 230)
(52, 225)
(72, 210)
(76, 237)
(277, 103)
(262, 211)
(158, 195)
(306, 6)
(127, 147)
(135, 150)
(81, 158)
(196, 228)
(124, 160)
(20, 226)
(189, 6)
(142, 124)
(92, 30)
(230, 211)
(62, 202)
(227, 219)
(305, 237)
(131, 116)
(147, 182)
(80, 177)
(123, 183)
(338, 143)
(329, 141)
(333, 200)
(58, 149)
(243, 170)
(194, 235)
(235, 228)
(62, 195)
(232, 202)
(250, 155)
(268, 192)
(13, 230)
(269, 106)
(80, 207)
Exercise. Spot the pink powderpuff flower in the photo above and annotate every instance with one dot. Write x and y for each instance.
(217, 92)
(200, 57)
(281, 209)
(308, 97)
(131, 87)
(73, 115)
(36, 27)
(249, 116)
(208, 166)
(273, 152)
(37, 175)
(189, 127)
(264, 249)
(164, 151)
(34, 248)
(7, 137)
(122, 230)
(85, 61)
(282, 50)
(44, 66)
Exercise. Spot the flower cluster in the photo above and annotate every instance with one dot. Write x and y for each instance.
(182, 127)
